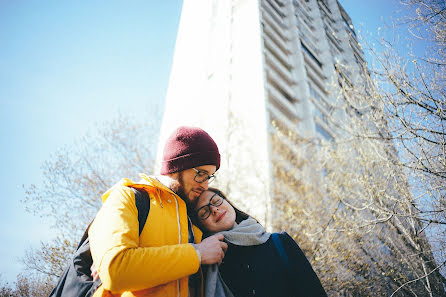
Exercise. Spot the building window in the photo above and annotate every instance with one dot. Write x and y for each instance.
(349, 26)
(310, 54)
(319, 114)
(279, 2)
(301, 11)
(325, 4)
(322, 132)
(282, 92)
(315, 94)
(281, 14)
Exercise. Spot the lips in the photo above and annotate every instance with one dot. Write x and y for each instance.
(221, 216)
(197, 193)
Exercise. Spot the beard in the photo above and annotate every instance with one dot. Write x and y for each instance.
(178, 187)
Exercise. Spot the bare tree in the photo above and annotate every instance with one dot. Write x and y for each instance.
(30, 286)
(352, 218)
(370, 212)
(75, 178)
(411, 91)
(5, 288)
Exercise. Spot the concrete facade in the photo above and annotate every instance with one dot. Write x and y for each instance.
(243, 69)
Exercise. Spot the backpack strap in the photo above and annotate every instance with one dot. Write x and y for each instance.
(142, 201)
(76, 280)
(85, 236)
(278, 243)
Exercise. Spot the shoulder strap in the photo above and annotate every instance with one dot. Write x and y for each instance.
(85, 236)
(278, 243)
(142, 201)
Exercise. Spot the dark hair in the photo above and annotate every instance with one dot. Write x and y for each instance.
(239, 215)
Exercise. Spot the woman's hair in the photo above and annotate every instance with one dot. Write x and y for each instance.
(239, 215)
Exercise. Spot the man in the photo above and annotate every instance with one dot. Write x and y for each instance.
(162, 260)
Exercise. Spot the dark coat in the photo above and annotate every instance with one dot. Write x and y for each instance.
(260, 271)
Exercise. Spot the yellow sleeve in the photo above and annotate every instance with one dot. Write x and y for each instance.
(121, 263)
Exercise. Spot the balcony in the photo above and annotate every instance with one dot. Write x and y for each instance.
(281, 119)
(324, 5)
(317, 97)
(335, 42)
(281, 104)
(304, 20)
(329, 27)
(313, 64)
(323, 130)
(273, 14)
(276, 66)
(320, 83)
(282, 123)
(343, 78)
(356, 47)
(280, 56)
(285, 92)
(308, 36)
(280, 3)
(360, 60)
(348, 24)
(277, 8)
(309, 54)
(302, 11)
(277, 81)
(276, 38)
(278, 27)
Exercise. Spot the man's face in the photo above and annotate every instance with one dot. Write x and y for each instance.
(187, 188)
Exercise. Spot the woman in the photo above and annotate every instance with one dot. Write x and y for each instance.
(254, 265)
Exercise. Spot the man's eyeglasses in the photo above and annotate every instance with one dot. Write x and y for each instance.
(205, 211)
(202, 176)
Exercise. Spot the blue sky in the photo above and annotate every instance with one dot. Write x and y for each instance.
(66, 65)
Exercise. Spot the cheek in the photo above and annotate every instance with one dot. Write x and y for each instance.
(189, 187)
(228, 221)
(231, 217)
(209, 225)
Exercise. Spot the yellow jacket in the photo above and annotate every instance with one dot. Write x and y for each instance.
(158, 262)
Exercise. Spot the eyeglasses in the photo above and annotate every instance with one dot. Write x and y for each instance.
(205, 211)
(202, 176)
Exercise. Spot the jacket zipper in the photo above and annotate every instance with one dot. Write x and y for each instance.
(179, 236)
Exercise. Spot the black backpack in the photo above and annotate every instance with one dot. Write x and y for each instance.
(76, 281)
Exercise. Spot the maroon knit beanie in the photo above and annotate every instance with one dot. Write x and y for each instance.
(189, 147)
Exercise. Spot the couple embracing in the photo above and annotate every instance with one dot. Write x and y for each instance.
(195, 242)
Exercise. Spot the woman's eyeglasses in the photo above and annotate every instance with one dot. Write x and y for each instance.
(205, 211)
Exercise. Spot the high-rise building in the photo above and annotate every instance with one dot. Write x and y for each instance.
(261, 76)
(243, 66)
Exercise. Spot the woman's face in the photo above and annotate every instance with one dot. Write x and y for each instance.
(214, 212)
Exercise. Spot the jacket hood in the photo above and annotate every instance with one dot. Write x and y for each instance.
(149, 183)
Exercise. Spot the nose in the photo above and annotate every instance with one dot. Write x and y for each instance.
(205, 185)
(214, 209)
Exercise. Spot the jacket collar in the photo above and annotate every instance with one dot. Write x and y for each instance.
(156, 181)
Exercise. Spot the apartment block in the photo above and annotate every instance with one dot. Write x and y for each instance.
(244, 69)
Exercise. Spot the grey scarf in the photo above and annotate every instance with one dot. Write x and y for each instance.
(247, 233)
